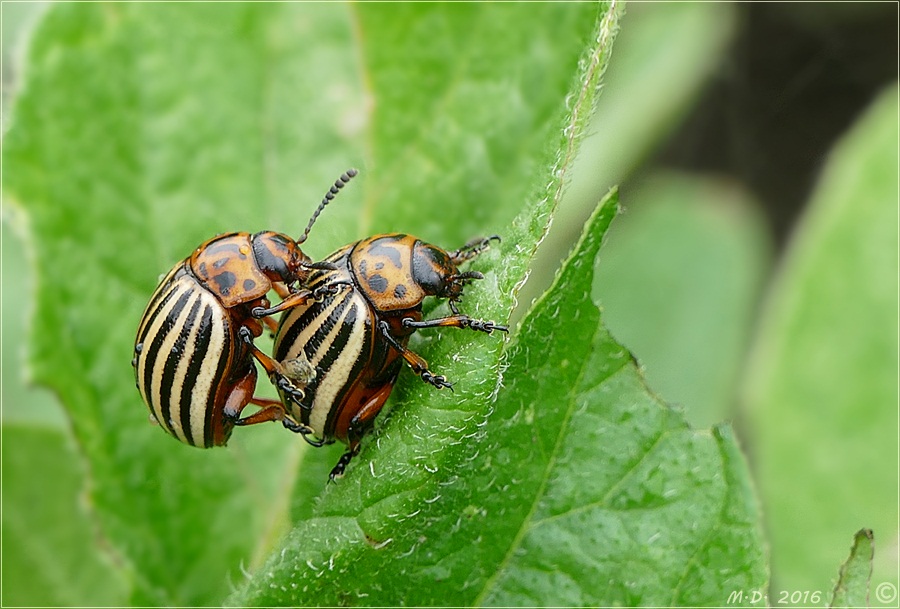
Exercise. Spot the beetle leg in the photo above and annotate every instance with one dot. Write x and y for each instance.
(338, 470)
(271, 324)
(472, 248)
(282, 290)
(273, 410)
(301, 298)
(455, 321)
(278, 375)
(415, 361)
(291, 300)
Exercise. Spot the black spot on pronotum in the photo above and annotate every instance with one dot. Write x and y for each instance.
(378, 283)
(220, 263)
(225, 281)
(223, 248)
(379, 266)
(386, 251)
(399, 291)
(249, 284)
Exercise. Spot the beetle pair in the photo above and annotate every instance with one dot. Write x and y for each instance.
(338, 348)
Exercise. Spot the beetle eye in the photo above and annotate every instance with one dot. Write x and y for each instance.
(274, 254)
(432, 269)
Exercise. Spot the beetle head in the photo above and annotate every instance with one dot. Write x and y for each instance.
(279, 257)
(437, 274)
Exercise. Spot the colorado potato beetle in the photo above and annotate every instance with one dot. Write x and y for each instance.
(357, 338)
(194, 352)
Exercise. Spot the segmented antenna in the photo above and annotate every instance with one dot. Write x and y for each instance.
(329, 197)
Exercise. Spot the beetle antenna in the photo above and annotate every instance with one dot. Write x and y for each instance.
(329, 197)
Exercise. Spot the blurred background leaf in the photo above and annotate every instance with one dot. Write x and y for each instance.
(679, 282)
(50, 556)
(821, 390)
(667, 47)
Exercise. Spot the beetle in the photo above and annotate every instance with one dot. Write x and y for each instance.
(356, 339)
(194, 351)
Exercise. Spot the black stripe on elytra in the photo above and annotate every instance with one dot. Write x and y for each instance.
(324, 367)
(362, 360)
(289, 334)
(159, 299)
(200, 357)
(326, 325)
(226, 364)
(310, 348)
(204, 359)
(155, 358)
(338, 345)
(190, 378)
(173, 358)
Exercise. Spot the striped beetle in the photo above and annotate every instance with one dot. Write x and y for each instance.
(357, 338)
(194, 351)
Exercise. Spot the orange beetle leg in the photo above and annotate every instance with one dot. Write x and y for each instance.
(281, 289)
(273, 410)
(280, 376)
(237, 397)
(301, 298)
(359, 424)
(415, 361)
(455, 321)
(271, 324)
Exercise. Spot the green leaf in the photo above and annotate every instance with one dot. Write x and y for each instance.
(608, 497)
(47, 537)
(821, 392)
(679, 282)
(852, 589)
(143, 129)
(665, 54)
(579, 488)
(420, 443)
(22, 401)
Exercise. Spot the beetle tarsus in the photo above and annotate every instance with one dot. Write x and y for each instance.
(487, 327)
(330, 289)
(455, 321)
(338, 470)
(304, 430)
(438, 381)
(473, 248)
(284, 384)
